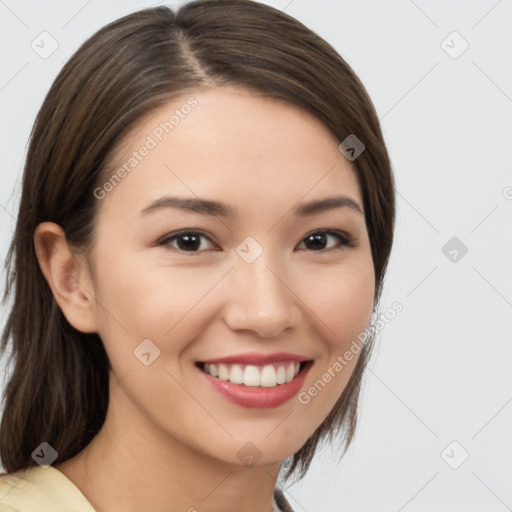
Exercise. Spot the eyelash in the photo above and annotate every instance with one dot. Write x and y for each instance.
(343, 238)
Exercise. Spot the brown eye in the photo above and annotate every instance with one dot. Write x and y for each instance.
(318, 240)
(187, 241)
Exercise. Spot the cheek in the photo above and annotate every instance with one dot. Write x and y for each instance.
(138, 301)
(343, 303)
(342, 299)
(140, 296)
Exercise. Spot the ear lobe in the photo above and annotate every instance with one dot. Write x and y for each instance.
(67, 275)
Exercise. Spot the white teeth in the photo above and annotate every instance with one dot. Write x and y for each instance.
(267, 376)
(223, 372)
(236, 375)
(290, 373)
(251, 376)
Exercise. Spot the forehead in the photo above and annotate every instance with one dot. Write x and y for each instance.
(230, 144)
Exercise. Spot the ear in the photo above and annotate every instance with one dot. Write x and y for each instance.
(67, 275)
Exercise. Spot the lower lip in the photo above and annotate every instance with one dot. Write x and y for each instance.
(257, 397)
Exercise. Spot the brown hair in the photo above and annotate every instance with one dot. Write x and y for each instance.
(58, 391)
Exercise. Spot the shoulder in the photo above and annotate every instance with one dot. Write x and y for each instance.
(7, 508)
(8, 483)
(40, 489)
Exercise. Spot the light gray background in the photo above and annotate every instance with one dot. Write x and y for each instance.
(441, 372)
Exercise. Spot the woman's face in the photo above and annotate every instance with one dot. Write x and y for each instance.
(255, 291)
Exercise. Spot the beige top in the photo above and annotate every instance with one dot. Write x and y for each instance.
(47, 489)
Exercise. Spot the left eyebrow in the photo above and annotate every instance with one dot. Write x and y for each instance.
(218, 209)
(329, 203)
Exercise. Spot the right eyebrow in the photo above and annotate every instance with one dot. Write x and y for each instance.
(196, 205)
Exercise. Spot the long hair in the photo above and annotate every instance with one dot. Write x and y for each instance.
(58, 389)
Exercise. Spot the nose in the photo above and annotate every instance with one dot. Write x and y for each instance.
(262, 301)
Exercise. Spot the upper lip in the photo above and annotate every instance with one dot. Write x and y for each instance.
(257, 359)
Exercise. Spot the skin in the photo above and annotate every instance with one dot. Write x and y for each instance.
(169, 438)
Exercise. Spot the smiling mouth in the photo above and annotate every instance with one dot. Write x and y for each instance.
(266, 376)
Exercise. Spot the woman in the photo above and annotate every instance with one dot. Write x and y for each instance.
(206, 218)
